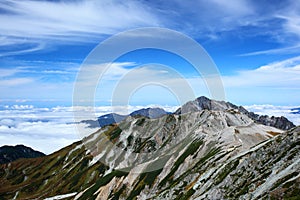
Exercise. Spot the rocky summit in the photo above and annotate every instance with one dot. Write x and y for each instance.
(207, 149)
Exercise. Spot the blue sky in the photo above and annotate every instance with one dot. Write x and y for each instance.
(255, 45)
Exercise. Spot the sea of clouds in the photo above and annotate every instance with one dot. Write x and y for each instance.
(277, 111)
(50, 129)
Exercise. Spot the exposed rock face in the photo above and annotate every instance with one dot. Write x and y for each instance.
(278, 122)
(200, 154)
(270, 170)
(202, 103)
(12, 153)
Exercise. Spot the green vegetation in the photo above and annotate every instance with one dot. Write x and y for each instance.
(140, 121)
(192, 149)
(101, 182)
(148, 177)
(226, 170)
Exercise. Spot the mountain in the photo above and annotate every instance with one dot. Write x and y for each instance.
(112, 118)
(203, 103)
(105, 120)
(210, 153)
(12, 153)
(295, 110)
(152, 113)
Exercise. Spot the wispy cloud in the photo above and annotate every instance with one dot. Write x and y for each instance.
(291, 15)
(205, 18)
(34, 25)
(286, 30)
(8, 72)
(35, 73)
(285, 74)
(284, 50)
(35, 22)
(15, 82)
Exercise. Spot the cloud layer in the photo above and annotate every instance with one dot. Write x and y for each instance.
(277, 111)
(47, 129)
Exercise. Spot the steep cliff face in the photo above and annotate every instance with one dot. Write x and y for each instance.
(200, 154)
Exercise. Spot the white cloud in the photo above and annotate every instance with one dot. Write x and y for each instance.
(287, 30)
(282, 74)
(88, 74)
(30, 22)
(22, 107)
(34, 25)
(8, 72)
(36, 47)
(278, 75)
(277, 111)
(34, 81)
(207, 18)
(284, 50)
(48, 129)
(15, 82)
(44, 129)
(291, 15)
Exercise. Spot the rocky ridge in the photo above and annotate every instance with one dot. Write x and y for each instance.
(203, 103)
(207, 153)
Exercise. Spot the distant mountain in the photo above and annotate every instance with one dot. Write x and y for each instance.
(112, 118)
(151, 113)
(295, 111)
(12, 153)
(203, 103)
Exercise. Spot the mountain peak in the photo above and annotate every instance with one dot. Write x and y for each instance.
(204, 103)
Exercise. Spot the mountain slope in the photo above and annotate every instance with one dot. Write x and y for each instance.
(12, 153)
(204, 154)
(270, 170)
